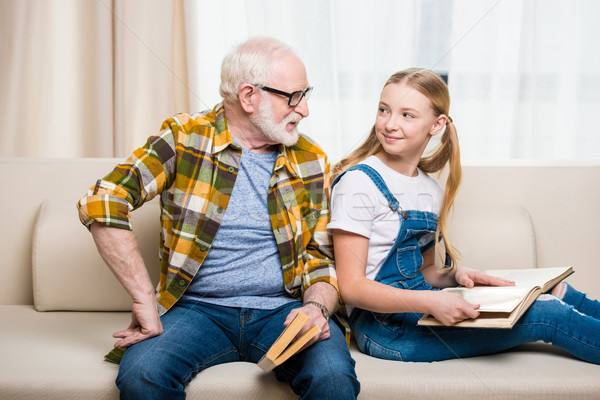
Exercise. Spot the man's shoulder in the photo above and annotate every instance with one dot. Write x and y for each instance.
(197, 122)
(306, 149)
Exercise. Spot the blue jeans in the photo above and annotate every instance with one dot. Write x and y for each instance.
(199, 335)
(571, 323)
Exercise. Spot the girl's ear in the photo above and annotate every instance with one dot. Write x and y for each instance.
(439, 125)
(247, 95)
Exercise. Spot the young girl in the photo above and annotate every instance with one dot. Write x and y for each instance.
(385, 228)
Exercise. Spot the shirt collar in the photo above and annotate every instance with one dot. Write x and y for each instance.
(222, 138)
(284, 159)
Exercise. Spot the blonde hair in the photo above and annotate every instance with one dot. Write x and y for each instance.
(447, 151)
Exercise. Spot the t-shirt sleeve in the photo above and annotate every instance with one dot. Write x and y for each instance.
(353, 204)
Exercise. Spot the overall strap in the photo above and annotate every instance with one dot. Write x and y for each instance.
(379, 183)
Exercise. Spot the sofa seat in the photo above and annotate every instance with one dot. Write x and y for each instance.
(58, 355)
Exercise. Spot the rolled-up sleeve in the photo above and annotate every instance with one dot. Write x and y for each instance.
(142, 176)
(103, 204)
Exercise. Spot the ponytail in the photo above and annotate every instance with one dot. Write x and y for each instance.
(447, 152)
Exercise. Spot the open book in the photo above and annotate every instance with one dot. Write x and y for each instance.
(502, 306)
(285, 346)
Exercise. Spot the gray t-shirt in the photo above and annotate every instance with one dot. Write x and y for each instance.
(242, 267)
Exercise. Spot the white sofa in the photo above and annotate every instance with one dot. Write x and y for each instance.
(59, 304)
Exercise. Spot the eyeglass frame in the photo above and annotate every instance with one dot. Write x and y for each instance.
(303, 93)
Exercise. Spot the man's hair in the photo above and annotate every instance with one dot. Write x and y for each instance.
(248, 62)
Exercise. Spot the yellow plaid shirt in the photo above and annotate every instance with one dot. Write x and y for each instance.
(192, 165)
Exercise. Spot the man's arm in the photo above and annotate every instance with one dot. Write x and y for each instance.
(324, 294)
(119, 250)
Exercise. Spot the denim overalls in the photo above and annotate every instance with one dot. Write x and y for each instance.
(402, 264)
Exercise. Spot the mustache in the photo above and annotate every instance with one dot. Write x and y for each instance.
(293, 117)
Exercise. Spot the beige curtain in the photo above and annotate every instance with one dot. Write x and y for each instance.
(88, 78)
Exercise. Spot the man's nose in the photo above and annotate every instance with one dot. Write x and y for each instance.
(302, 107)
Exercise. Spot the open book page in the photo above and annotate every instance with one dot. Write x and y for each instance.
(498, 299)
(542, 277)
(506, 298)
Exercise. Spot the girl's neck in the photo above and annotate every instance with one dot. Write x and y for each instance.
(399, 164)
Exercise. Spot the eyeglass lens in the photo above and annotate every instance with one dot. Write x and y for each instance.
(296, 97)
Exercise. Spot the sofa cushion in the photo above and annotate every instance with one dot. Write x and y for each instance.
(530, 371)
(58, 355)
(493, 236)
(68, 272)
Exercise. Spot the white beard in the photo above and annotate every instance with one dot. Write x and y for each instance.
(276, 132)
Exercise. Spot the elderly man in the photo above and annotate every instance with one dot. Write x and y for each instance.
(244, 245)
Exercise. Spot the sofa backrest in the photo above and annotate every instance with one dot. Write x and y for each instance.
(506, 216)
(493, 236)
(68, 272)
(563, 199)
(61, 241)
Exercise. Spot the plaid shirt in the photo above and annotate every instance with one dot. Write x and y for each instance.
(192, 164)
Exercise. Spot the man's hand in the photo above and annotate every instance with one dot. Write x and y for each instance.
(145, 323)
(316, 318)
(321, 293)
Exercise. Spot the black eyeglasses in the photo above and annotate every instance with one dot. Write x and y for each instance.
(293, 98)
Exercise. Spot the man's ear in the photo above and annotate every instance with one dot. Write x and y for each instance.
(439, 125)
(248, 97)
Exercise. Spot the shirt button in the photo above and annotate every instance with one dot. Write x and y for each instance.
(231, 169)
(219, 210)
(181, 282)
(203, 248)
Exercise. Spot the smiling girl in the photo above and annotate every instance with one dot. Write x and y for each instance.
(388, 215)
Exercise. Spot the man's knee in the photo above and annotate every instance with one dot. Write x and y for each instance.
(334, 381)
(338, 372)
(144, 379)
(328, 371)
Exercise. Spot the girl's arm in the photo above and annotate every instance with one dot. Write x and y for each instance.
(447, 277)
(357, 290)
(434, 274)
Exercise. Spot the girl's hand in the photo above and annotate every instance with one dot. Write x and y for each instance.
(469, 277)
(450, 308)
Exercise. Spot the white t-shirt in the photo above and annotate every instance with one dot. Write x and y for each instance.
(357, 206)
